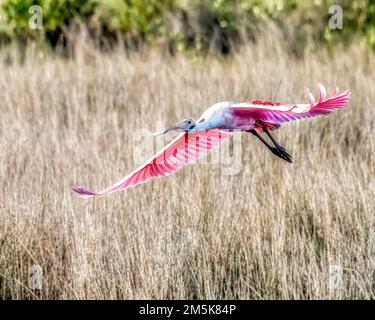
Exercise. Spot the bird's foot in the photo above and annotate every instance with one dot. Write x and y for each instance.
(281, 152)
(284, 152)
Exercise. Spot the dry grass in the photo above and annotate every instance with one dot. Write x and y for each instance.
(272, 231)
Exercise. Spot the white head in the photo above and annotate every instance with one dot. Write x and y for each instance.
(187, 125)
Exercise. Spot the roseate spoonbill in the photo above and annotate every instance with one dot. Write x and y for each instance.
(197, 138)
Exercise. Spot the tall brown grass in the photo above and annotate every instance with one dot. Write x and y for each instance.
(272, 231)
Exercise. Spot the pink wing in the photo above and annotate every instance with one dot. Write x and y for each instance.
(182, 151)
(278, 113)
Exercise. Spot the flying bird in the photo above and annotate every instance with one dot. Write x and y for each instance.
(197, 138)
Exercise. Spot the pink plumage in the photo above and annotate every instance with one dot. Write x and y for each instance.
(279, 113)
(182, 151)
(200, 137)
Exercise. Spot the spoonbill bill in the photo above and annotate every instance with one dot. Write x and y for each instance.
(197, 138)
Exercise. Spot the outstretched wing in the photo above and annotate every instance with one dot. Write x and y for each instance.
(185, 149)
(279, 113)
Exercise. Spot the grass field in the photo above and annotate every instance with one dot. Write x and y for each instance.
(273, 231)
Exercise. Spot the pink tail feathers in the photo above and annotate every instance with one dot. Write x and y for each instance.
(326, 106)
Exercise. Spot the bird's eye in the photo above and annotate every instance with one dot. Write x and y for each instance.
(188, 122)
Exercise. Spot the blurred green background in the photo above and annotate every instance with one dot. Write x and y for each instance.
(190, 25)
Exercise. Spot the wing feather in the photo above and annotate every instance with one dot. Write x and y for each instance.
(185, 149)
(283, 113)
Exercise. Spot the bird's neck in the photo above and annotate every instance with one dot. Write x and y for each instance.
(202, 126)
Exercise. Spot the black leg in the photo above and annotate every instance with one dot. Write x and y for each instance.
(272, 138)
(277, 145)
(275, 150)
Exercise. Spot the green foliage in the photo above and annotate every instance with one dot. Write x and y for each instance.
(56, 13)
(139, 17)
(193, 24)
